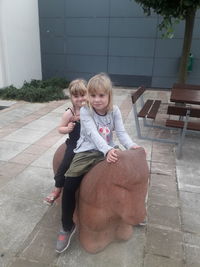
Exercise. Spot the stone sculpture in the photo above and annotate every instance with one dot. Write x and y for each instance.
(111, 200)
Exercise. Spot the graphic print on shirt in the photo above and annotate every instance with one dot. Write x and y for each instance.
(104, 131)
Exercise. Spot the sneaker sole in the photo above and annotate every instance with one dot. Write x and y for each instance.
(72, 233)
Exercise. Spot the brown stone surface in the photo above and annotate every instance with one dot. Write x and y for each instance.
(58, 156)
(112, 200)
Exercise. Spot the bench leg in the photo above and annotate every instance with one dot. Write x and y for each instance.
(137, 123)
(182, 137)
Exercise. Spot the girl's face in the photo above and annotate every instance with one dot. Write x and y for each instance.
(78, 100)
(99, 101)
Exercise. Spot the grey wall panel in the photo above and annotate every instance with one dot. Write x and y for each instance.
(131, 47)
(74, 75)
(87, 8)
(82, 37)
(168, 48)
(89, 64)
(166, 66)
(86, 26)
(125, 8)
(130, 65)
(51, 8)
(195, 48)
(198, 13)
(131, 80)
(133, 27)
(52, 27)
(55, 65)
(163, 82)
(196, 32)
(53, 45)
(193, 80)
(87, 46)
(55, 62)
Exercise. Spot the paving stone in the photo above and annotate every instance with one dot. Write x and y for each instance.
(190, 207)
(162, 182)
(26, 263)
(158, 261)
(36, 149)
(6, 257)
(36, 181)
(26, 136)
(41, 247)
(185, 183)
(161, 157)
(17, 219)
(52, 218)
(163, 169)
(163, 148)
(26, 158)
(161, 196)
(192, 255)
(118, 254)
(9, 149)
(165, 216)
(12, 169)
(167, 243)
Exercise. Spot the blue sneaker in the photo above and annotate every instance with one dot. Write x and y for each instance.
(64, 238)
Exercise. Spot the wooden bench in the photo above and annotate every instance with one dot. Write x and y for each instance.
(183, 112)
(186, 86)
(183, 122)
(148, 109)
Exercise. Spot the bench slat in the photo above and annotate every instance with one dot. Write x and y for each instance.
(154, 109)
(186, 86)
(145, 109)
(181, 111)
(195, 126)
(135, 95)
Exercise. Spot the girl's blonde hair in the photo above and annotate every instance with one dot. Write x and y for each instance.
(101, 83)
(78, 87)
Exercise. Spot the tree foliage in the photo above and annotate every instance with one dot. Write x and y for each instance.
(172, 12)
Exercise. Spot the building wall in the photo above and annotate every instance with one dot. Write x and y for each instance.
(20, 58)
(80, 38)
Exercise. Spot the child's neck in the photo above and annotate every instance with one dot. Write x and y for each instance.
(101, 112)
(76, 110)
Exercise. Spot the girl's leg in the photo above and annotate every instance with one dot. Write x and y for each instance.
(69, 201)
(67, 159)
(68, 206)
(60, 175)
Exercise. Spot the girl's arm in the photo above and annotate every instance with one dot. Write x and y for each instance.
(90, 128)
(66, 125)
(121, 133)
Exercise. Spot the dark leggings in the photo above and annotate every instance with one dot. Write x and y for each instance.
(69, 201)
(64, 166)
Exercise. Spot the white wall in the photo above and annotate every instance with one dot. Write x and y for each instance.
(20, 58)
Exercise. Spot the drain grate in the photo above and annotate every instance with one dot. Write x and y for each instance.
(3, 107)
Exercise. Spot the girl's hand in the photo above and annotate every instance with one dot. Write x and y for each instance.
(135, 147)
(112, 155)
(70, 126)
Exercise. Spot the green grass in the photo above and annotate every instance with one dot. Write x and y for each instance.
(37, 90)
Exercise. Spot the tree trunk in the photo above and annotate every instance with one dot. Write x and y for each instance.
(189, 25)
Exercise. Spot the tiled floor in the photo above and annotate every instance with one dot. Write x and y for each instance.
(28, 228)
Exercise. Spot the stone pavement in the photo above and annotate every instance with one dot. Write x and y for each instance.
(28, 227)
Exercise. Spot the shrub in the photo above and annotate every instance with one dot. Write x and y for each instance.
(37, 91)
